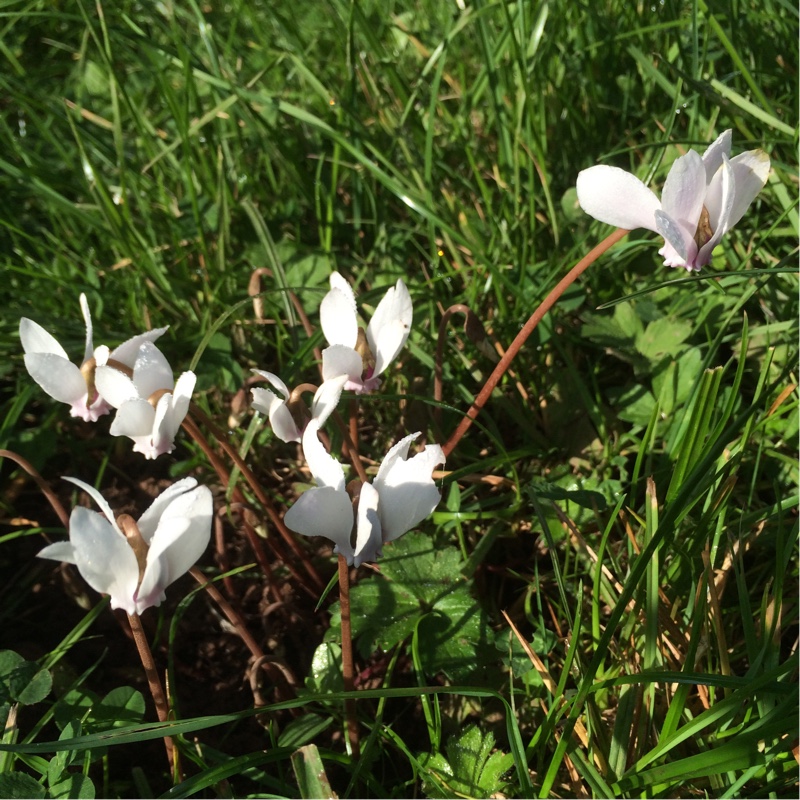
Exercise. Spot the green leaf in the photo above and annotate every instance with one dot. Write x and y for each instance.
(421, 586)
(470, 769)
(120, 707)
(75, 786)
(663, 337)
(22, 681)
(18, 785)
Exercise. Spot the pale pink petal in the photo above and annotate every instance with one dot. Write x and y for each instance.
(134, 418)
(324, 511)
(182, 535)
(283, 424)
(275, 381)
(369, 537)
(114, 387)
(148, 522)
(390, 325)
(104, 558)
(337, 313)
(338, 360)
(616, 197)
(407, 491)
(35, 339)
(720, 204)
(685, 191)
(87, 318)
(99, 499)
(327, 471)
(59, 378)
(126, 353)
(712, 158)
(326, 398)
(151, 371)
(680, 248)
(750, 173)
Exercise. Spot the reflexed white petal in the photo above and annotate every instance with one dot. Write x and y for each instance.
(720, 204)
(181, 537)
(283, 424)
(264, 399)
(684, 191)
(327, 397)
(87, 318)
(126, 353)
(99, 499)
(148, 522)
(327, 471)
(369, 538)
(390, 325)
(101, 355)
(134, 417)
(406, 488)
(60, 378)
(616, 197)
(104, 558)
(59, 551)
(115, 387)
(678, 238)
(337, 313)
(324, 511)
(170, 412)
(280, 418)
(339, 360)
(750, 173)
(712, 158)
(35, 339)
(276, 382)
(151, 371)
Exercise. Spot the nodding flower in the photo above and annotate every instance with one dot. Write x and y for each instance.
(702, 199)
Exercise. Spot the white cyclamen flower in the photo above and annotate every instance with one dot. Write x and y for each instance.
(702, 199)
(150, 405)
(362, 358)
(401, 496)
(49, 365)
(281, 419)
(175, 531)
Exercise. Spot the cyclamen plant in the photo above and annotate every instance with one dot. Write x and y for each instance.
(134, 561)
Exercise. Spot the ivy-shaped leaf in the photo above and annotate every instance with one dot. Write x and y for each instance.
(420, 587)
(470, 768)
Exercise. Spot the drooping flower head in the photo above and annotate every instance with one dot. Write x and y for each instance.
(703, 198)
(401, 496)
(288, 416)
(49, 365)
(136, 568)
(150, 404)
(362, 355)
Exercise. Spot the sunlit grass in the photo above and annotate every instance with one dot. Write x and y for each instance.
(156, 157)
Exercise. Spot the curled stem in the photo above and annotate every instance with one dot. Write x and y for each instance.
(347, 657)
(522, 336)
(41, 483)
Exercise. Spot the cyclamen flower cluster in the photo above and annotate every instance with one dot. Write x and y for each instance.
(134, 378)
(403, 492)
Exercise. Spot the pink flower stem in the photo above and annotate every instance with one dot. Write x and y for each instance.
(347, 657)
(522, 336)
(156, 689)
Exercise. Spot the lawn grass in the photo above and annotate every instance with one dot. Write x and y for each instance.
(628, 497)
